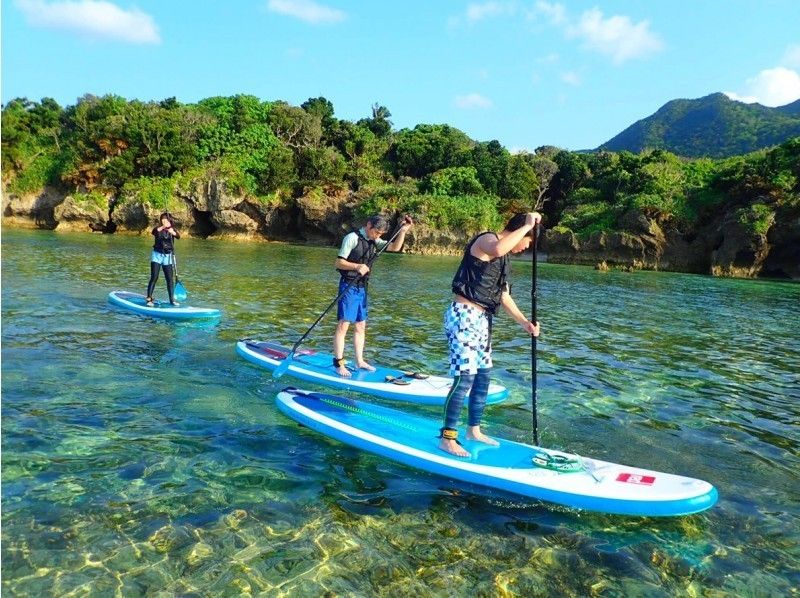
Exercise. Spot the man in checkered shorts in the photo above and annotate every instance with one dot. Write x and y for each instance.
(480, 286)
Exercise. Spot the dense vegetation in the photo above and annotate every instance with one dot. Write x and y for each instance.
(714, 126)
(110, 147)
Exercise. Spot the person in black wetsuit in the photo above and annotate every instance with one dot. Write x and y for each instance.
(162, 257)
(480, 286)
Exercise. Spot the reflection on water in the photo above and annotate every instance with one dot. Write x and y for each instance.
(142, 456)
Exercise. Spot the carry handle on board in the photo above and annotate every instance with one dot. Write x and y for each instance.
(284, 365)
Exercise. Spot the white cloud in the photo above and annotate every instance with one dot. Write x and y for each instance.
(556, 13)
(770, 87)
(478, 12)
(92, 18)
(791, 58)
(473, 100)
(307, 10)
(617, 36)
(570, 77)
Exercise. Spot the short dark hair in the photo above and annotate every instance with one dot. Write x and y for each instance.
(379, 222)
(166, 215)
(516, 222)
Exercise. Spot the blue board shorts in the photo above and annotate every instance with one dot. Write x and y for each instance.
(353, 304)
(165, 259)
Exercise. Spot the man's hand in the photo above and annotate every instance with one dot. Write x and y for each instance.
(408, 222)
(531, 328)
(533, 219)
(362, 269)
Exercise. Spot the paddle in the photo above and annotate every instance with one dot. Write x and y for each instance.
(536, 231)
(284, 365)
(179, 293)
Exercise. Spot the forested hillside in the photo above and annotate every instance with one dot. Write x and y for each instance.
(713, 126)
(110, 155)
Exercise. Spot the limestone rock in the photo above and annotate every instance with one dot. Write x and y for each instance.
(783, 260)
(32, 210)
(81, 215)
(233, 222)
(742, 252)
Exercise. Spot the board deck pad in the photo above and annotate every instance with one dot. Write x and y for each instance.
(317, 367)
(162, 309)
(413, 440)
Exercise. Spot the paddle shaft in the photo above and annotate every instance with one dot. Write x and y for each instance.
(175, 263)
(536, 232)
(340, 295)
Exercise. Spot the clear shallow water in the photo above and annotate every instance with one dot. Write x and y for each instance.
(141, 456)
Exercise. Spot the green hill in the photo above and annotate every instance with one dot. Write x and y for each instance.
(713, 126)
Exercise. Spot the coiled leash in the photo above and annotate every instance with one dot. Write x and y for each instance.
(559, 463)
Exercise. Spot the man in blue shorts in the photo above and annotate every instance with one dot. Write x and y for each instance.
(357, 251)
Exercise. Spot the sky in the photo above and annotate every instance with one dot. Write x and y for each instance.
(527, 73)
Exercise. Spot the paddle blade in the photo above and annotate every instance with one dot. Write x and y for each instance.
(180, 292)
(283, 366)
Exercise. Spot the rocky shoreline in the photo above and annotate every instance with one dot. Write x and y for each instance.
(723, 247)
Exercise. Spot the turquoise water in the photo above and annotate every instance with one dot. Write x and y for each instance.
(142, 457)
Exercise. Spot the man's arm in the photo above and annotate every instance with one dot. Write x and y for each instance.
(397, 244)
(510, 307)
(494, 247)
(343, 264)
(348, 244)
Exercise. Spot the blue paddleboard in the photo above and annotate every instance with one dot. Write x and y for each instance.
(510, 467)
(383, 382)
(138, 304)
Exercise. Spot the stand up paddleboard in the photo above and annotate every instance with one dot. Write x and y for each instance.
(383, 382)
(511, 467)
(138, 304)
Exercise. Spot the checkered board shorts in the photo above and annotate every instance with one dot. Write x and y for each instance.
(467, 331)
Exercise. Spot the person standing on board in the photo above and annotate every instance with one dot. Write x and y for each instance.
(358, 249)
(480, 286)
(162, 257)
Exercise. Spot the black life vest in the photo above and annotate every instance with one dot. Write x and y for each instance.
(164, 241)
(481, 282)
(363, 253)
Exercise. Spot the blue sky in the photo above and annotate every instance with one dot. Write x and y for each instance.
(528, 73)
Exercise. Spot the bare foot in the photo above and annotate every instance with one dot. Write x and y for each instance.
(343, 371)
(474, 433)
(452, 447)
(363, 365)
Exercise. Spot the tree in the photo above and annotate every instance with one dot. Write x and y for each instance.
(379, 123)
(520, 183)
(427, 148)
(545, 169)
(322, 108)
(295, 127)
(454, 181)
(490, 160)
(363, 150)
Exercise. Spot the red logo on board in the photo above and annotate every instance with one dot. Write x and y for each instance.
(635, 478)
